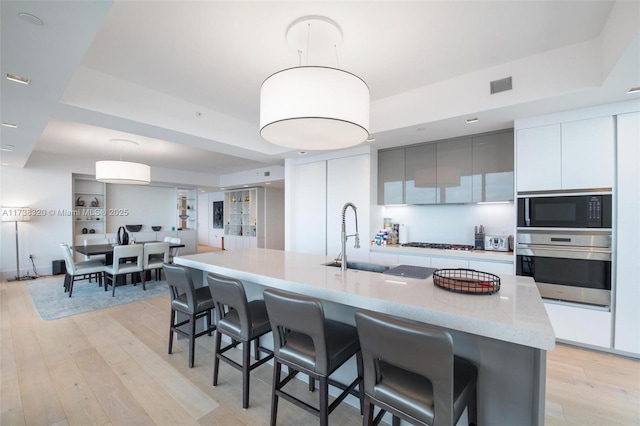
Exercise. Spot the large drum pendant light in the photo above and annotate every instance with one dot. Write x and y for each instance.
(123, 172)
(314, 107)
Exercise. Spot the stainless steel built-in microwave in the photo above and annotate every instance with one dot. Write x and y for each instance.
(565, 211)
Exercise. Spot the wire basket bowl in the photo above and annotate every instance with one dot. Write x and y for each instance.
(466, 281)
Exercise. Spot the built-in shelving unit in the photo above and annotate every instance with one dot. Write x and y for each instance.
(241, 215)
(88, 210)
(187, 202)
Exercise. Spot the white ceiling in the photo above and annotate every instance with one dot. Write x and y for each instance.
(183, 78)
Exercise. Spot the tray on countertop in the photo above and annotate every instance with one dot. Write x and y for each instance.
(410, 271)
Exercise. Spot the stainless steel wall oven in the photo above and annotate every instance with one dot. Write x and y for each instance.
(567, 265)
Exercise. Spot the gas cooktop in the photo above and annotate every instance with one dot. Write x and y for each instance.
(439, 246)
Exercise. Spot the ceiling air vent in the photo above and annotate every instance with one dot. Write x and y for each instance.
(501, 85)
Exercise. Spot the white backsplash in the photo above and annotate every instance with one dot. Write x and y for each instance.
(452, 224)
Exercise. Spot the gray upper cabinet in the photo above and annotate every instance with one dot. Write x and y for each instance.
(493, 167)
(454, 171)
(391, 176)
(463, 170)
(420, 177)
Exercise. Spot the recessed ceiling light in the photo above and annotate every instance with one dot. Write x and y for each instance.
(18, 79)
(302, 152)
(11, 125)
(371, 139)
(267, 183)
(32, 19)
(8, 148)
(633, 90)
(246, 186)
(472, 120)
(221, 189)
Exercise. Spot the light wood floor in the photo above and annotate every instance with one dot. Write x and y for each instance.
(112, 367)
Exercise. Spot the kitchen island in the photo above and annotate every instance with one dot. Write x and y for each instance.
(505, 334)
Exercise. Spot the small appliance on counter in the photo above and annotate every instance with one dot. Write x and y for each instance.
(496, 243)
(479, 237)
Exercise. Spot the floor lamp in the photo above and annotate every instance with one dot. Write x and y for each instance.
(16, 214)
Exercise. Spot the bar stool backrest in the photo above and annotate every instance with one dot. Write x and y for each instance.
(228, 293)
(180, 283)
(305, 315)
(412, 346)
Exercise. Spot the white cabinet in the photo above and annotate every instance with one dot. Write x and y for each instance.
(309, 211)
(587, 153)
(566, 156)
(319, 190)
(404, 259)
(348, 180)
(627, 288)
(189, 238)
(538, 158)
(448, 262)
(498, 268)
(580, 325)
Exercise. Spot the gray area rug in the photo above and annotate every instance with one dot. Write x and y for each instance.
(52, 302)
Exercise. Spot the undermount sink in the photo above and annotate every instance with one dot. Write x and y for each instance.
(361, 266)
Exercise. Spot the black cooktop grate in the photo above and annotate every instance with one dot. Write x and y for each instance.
(440, 246)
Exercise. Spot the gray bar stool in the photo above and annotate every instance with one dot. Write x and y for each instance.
(411, 372)
(304, 340)
(188, 300)
(243, 322)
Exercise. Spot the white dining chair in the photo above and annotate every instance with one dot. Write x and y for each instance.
(155, 254)
(76, 271)
(97, 257)
(173, 252)
(126, 260)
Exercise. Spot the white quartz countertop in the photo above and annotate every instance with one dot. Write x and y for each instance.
(515, 314)
(502, 256)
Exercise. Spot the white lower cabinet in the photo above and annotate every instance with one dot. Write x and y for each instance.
(448, 262)
(580, 325)
(391, 259)
(498, 268)
(414, 260)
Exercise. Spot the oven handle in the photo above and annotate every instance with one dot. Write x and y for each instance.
(527, 213)
(585, 253)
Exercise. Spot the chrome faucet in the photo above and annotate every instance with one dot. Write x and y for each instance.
(343, 264)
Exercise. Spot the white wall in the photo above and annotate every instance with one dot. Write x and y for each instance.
(207, 234)
(46, 183)
(47, 188)
(144, 205)
(452, 224)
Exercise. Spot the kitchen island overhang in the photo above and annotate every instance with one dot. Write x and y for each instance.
(506, 334)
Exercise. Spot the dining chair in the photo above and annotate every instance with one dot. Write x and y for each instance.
(126, 260)
(101, 257)
(193, 302)
(411, 372)
(155, 254)
(79, 270)
(176, 250)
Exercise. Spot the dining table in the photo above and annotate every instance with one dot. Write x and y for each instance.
(107, 250)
